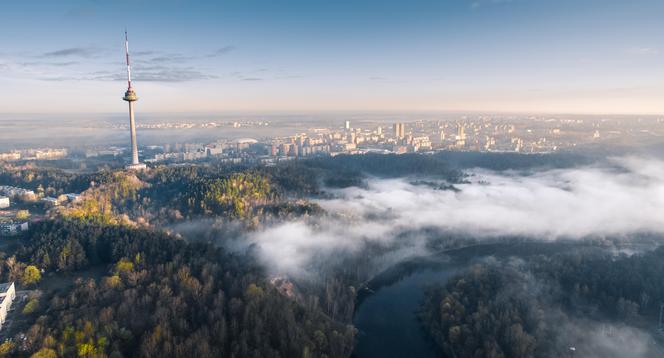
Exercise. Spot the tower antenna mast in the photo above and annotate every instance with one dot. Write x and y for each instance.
(128, 63)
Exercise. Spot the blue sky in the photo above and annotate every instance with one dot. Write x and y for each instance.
(567, 56)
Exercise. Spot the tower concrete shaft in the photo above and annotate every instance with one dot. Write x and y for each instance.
(130, 96)
(132, 129)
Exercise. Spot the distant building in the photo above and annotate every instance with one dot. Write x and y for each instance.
(50, 154)
(244, 143)
(399, 130)
(518, 144)
(461, 136)
(284, 149)
(215, 150)
(4, 202)
(14, 192)
(10, 156)
(347, 125)
(72, 197)
(7, 296)
(421, 143)
(11, 228)
(50, 201)
(112, 151)
(193, 155)
(400, 149)
(461, 132)
(352, 138)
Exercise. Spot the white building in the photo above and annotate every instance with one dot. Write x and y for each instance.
(7, 296)
(10, 156)
(421, 143)
(4, 202)
(14, 192)
(50, 201)
(73, 197)
(12, 228)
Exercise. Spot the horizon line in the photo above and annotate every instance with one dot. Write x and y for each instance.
(353, 111)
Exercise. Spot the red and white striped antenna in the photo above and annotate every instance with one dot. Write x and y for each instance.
(128, 64)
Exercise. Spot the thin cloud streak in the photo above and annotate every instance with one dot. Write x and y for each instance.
(643, 51)
(222, 51)
(152, 74)
(85, 52)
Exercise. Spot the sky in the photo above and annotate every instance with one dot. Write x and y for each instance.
(535, 56)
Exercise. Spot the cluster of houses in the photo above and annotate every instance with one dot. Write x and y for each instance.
(7, 195)
(11, 228)
(50, 201)
(9, 225)
(12, 192)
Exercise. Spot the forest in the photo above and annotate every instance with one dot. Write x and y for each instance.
(301, 176)
(161, 296)
(525, 308)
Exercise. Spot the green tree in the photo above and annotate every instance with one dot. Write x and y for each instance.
(31, 306)
(45, 353)
(124, 266)
(6, 348)
(72, 256)
(31, 276)
(22, 214)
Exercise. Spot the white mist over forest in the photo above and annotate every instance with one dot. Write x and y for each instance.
(622, 197)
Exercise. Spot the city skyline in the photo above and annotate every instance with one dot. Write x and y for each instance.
(581, 57)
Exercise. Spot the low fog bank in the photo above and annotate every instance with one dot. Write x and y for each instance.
(594, 339)
(590, 332)
(617, 199)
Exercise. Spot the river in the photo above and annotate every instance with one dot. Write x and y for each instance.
(386, 313)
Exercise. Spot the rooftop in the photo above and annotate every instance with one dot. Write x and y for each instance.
(4, 287)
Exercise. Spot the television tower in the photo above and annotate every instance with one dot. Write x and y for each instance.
(130, 96)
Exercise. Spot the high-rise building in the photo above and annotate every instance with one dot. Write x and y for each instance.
(130, 97)
(352, 138)
(284, 149)
(461, 136)
(518, 144)
(461, 132)
(399, 130)
(347, 125)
